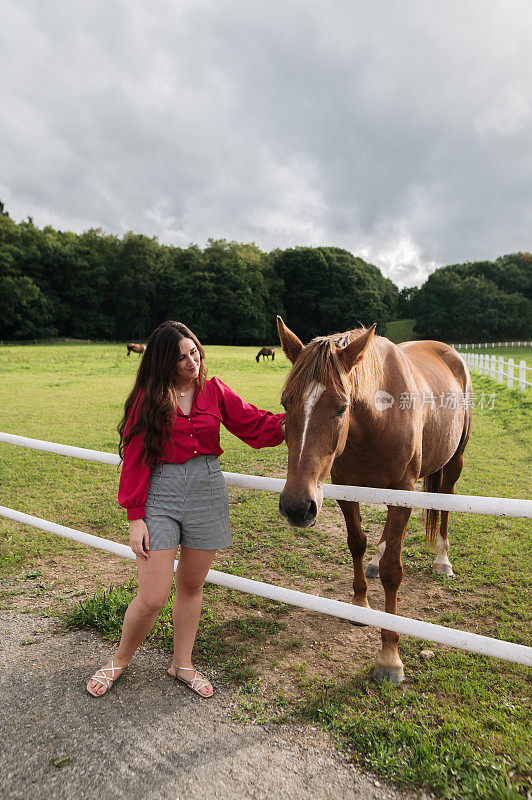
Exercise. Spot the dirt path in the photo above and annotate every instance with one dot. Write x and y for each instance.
(150, 738)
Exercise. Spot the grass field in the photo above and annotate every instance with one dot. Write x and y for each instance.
(460, 724)
(401, 330)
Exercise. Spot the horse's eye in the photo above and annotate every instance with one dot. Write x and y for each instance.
(340, 411)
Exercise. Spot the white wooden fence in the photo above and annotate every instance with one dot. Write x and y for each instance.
(469, 346)
(499, 369)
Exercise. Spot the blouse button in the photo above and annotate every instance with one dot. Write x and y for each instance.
(195, 452)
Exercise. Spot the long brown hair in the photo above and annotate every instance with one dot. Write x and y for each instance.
(157, 377)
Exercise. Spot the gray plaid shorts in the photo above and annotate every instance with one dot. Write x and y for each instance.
(188, 505)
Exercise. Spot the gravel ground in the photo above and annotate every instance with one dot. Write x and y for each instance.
(150, 738)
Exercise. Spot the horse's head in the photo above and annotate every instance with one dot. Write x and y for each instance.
(316, 397)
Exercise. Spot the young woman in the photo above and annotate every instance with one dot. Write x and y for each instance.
(174, 492)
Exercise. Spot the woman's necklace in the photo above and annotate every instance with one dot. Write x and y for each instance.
(184, 394)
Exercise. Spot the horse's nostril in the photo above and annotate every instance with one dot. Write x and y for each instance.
(300, 513)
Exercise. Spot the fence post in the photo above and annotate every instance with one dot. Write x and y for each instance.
(510, 381)
(492, 370)
(522, 375)
(481, 364)
(501, 370)
(486, 364)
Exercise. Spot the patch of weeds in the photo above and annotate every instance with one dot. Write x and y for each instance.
(293, 644)
(281, 701)
(103, 611)
(250, 711)
(12, 592)
(59, 763)
(249, 707)
(29, 576)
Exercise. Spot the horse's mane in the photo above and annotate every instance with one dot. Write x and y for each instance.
(319, 362)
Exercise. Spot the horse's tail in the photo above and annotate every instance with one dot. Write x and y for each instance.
(432, 483)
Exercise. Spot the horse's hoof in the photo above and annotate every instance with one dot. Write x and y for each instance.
(443, 569)
(372, 571)
(395, 675)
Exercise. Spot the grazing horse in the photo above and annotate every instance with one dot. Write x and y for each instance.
(136, 348)
(373, 413)
(265, 352)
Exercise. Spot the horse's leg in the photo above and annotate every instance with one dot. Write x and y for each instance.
(372, 570)
(389, 666)
(450, 474)
(356, 541)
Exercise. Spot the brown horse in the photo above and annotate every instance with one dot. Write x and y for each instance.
(136, 348)
(373, 413)
(265, 352)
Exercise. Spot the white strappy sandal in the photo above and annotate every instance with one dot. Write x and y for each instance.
(105, 680)
(197, 683)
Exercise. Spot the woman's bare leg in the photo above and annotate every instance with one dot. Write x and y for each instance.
(190, 577)
(155, 583)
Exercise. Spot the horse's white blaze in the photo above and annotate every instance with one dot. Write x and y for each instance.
(312, 396)
(378, 555)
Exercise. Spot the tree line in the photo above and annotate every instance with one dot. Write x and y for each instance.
(95, 285)
(475, 301)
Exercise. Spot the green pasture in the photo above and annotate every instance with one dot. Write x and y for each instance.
(400, 330)
(459, 725)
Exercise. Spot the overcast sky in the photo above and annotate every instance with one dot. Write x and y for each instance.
(399, 130)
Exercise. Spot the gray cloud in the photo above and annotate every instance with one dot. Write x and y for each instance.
(398, 130)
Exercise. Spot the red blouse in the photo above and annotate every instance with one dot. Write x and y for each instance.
(197, 433)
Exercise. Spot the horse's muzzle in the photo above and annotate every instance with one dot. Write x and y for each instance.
(301, 513)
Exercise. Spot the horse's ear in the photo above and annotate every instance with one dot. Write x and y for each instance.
(355, 351)
(290, 343)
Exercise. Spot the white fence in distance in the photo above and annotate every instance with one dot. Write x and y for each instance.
(500, 370)
(480, 345)
(462, 640)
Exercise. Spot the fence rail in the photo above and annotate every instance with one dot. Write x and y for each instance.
(472, 504)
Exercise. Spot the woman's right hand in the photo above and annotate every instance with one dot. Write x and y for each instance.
(139, 538)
